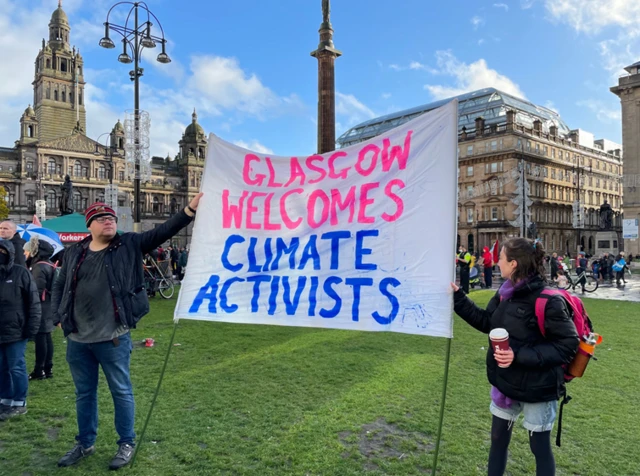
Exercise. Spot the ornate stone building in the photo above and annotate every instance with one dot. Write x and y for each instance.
(499, 135)
(52, 143)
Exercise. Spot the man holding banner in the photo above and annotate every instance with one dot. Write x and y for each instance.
(99, 296)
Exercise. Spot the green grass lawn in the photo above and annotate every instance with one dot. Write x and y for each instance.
(260, 400)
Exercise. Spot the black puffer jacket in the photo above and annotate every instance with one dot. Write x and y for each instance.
(19, 301)
(536, 374)
(18, 245)
(43, 273)
(123, 263)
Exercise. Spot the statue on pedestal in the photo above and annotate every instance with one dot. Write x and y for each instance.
(606, 216)
(66, 196)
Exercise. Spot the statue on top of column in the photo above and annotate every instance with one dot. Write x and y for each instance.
(326, 11)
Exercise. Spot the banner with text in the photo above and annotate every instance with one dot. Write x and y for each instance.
(360, 238)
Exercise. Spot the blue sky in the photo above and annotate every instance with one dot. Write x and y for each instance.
(245, 65)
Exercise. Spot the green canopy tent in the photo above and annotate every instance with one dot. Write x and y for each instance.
(72, 223)
(70, 228)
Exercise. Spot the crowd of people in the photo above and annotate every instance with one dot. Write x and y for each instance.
(604, 268)
(96, 295)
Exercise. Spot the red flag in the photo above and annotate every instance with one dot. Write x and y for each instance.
(36, 222)
(495, 252)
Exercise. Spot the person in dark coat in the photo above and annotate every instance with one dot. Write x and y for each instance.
(528, 377)
(43, 272)
(553, 265)
(463, 259)
(9, 231)
(19, 321)
(182, 262)
(99, 296)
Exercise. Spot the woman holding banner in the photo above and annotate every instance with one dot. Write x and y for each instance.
(526, 377)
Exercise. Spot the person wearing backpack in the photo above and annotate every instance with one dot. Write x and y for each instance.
(43, 272)
(527, 378)
(619, 266)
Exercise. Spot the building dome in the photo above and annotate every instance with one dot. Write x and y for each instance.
(194, 129)
(29, 111)
(59, 16)
(118, 127)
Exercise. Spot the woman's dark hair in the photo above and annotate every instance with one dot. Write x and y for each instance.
(528, 254)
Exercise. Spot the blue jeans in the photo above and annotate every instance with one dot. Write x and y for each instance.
(14, 381)
(83, 361)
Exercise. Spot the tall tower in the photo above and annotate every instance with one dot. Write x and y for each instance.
(193, 152)
(628, 90)
(326, 55)
(58, 86)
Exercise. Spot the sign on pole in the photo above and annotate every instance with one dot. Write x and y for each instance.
(359, 238)
(578, 215)
(630, 229)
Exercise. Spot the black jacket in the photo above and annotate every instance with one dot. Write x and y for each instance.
(123, 262)
(553, 262)
(19, 301)
(18, 249)
(43, 273)
(536, 374)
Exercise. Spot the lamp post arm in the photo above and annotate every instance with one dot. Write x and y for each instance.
(115, 5)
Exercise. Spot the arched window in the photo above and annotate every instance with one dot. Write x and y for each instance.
(71, 98)
(30, 131)
(77, 169)
(80, 98)
(157, 206)
(121, 175)
(102, 172)
(51, 200)
(64, 96)
(49, 63)
(55, 95)
(48, 93)
(78, 202)
(52, 166)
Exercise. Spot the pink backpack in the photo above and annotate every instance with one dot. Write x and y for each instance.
(580, 318)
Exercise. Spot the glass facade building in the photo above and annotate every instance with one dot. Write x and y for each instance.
(488, 103)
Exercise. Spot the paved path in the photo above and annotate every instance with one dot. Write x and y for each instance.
(630, 292)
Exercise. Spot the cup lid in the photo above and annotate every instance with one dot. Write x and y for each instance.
(498, 333)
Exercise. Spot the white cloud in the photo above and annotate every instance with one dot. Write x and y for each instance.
(254, 145)
(502, 5)
(394, 67)
(526, 4)
(416, 65)
(352, 110)
(590, 16)
(386, 95)
(603, 112)
(481, 42)
(477, 21)
(469, 77)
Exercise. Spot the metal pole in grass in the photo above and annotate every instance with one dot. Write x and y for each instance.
(155, 396)
(442, 402)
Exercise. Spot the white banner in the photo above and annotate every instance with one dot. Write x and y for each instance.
(630, 229)
(360, 238)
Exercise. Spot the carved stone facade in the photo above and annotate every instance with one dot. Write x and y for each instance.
(53, 144)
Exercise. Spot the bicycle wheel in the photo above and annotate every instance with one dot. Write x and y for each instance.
(166, 288)
(591, 285)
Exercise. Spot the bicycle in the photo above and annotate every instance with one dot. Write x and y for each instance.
(158, 279)
(590, 285)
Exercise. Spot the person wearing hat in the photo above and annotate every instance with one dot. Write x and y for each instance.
(19, 321)
(43, 272)
(99, 297)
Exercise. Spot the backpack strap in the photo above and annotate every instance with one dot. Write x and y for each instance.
(565, 400)
(541, 303)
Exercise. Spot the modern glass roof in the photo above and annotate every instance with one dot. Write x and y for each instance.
(489, 103)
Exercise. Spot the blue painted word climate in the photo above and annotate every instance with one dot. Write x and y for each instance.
(301, 293)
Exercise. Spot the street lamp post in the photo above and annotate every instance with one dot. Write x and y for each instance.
(578, 171)
(135, 40)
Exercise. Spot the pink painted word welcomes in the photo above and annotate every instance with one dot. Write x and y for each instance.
(291, 206)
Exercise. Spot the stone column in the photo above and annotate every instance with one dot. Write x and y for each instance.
(326, 55)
